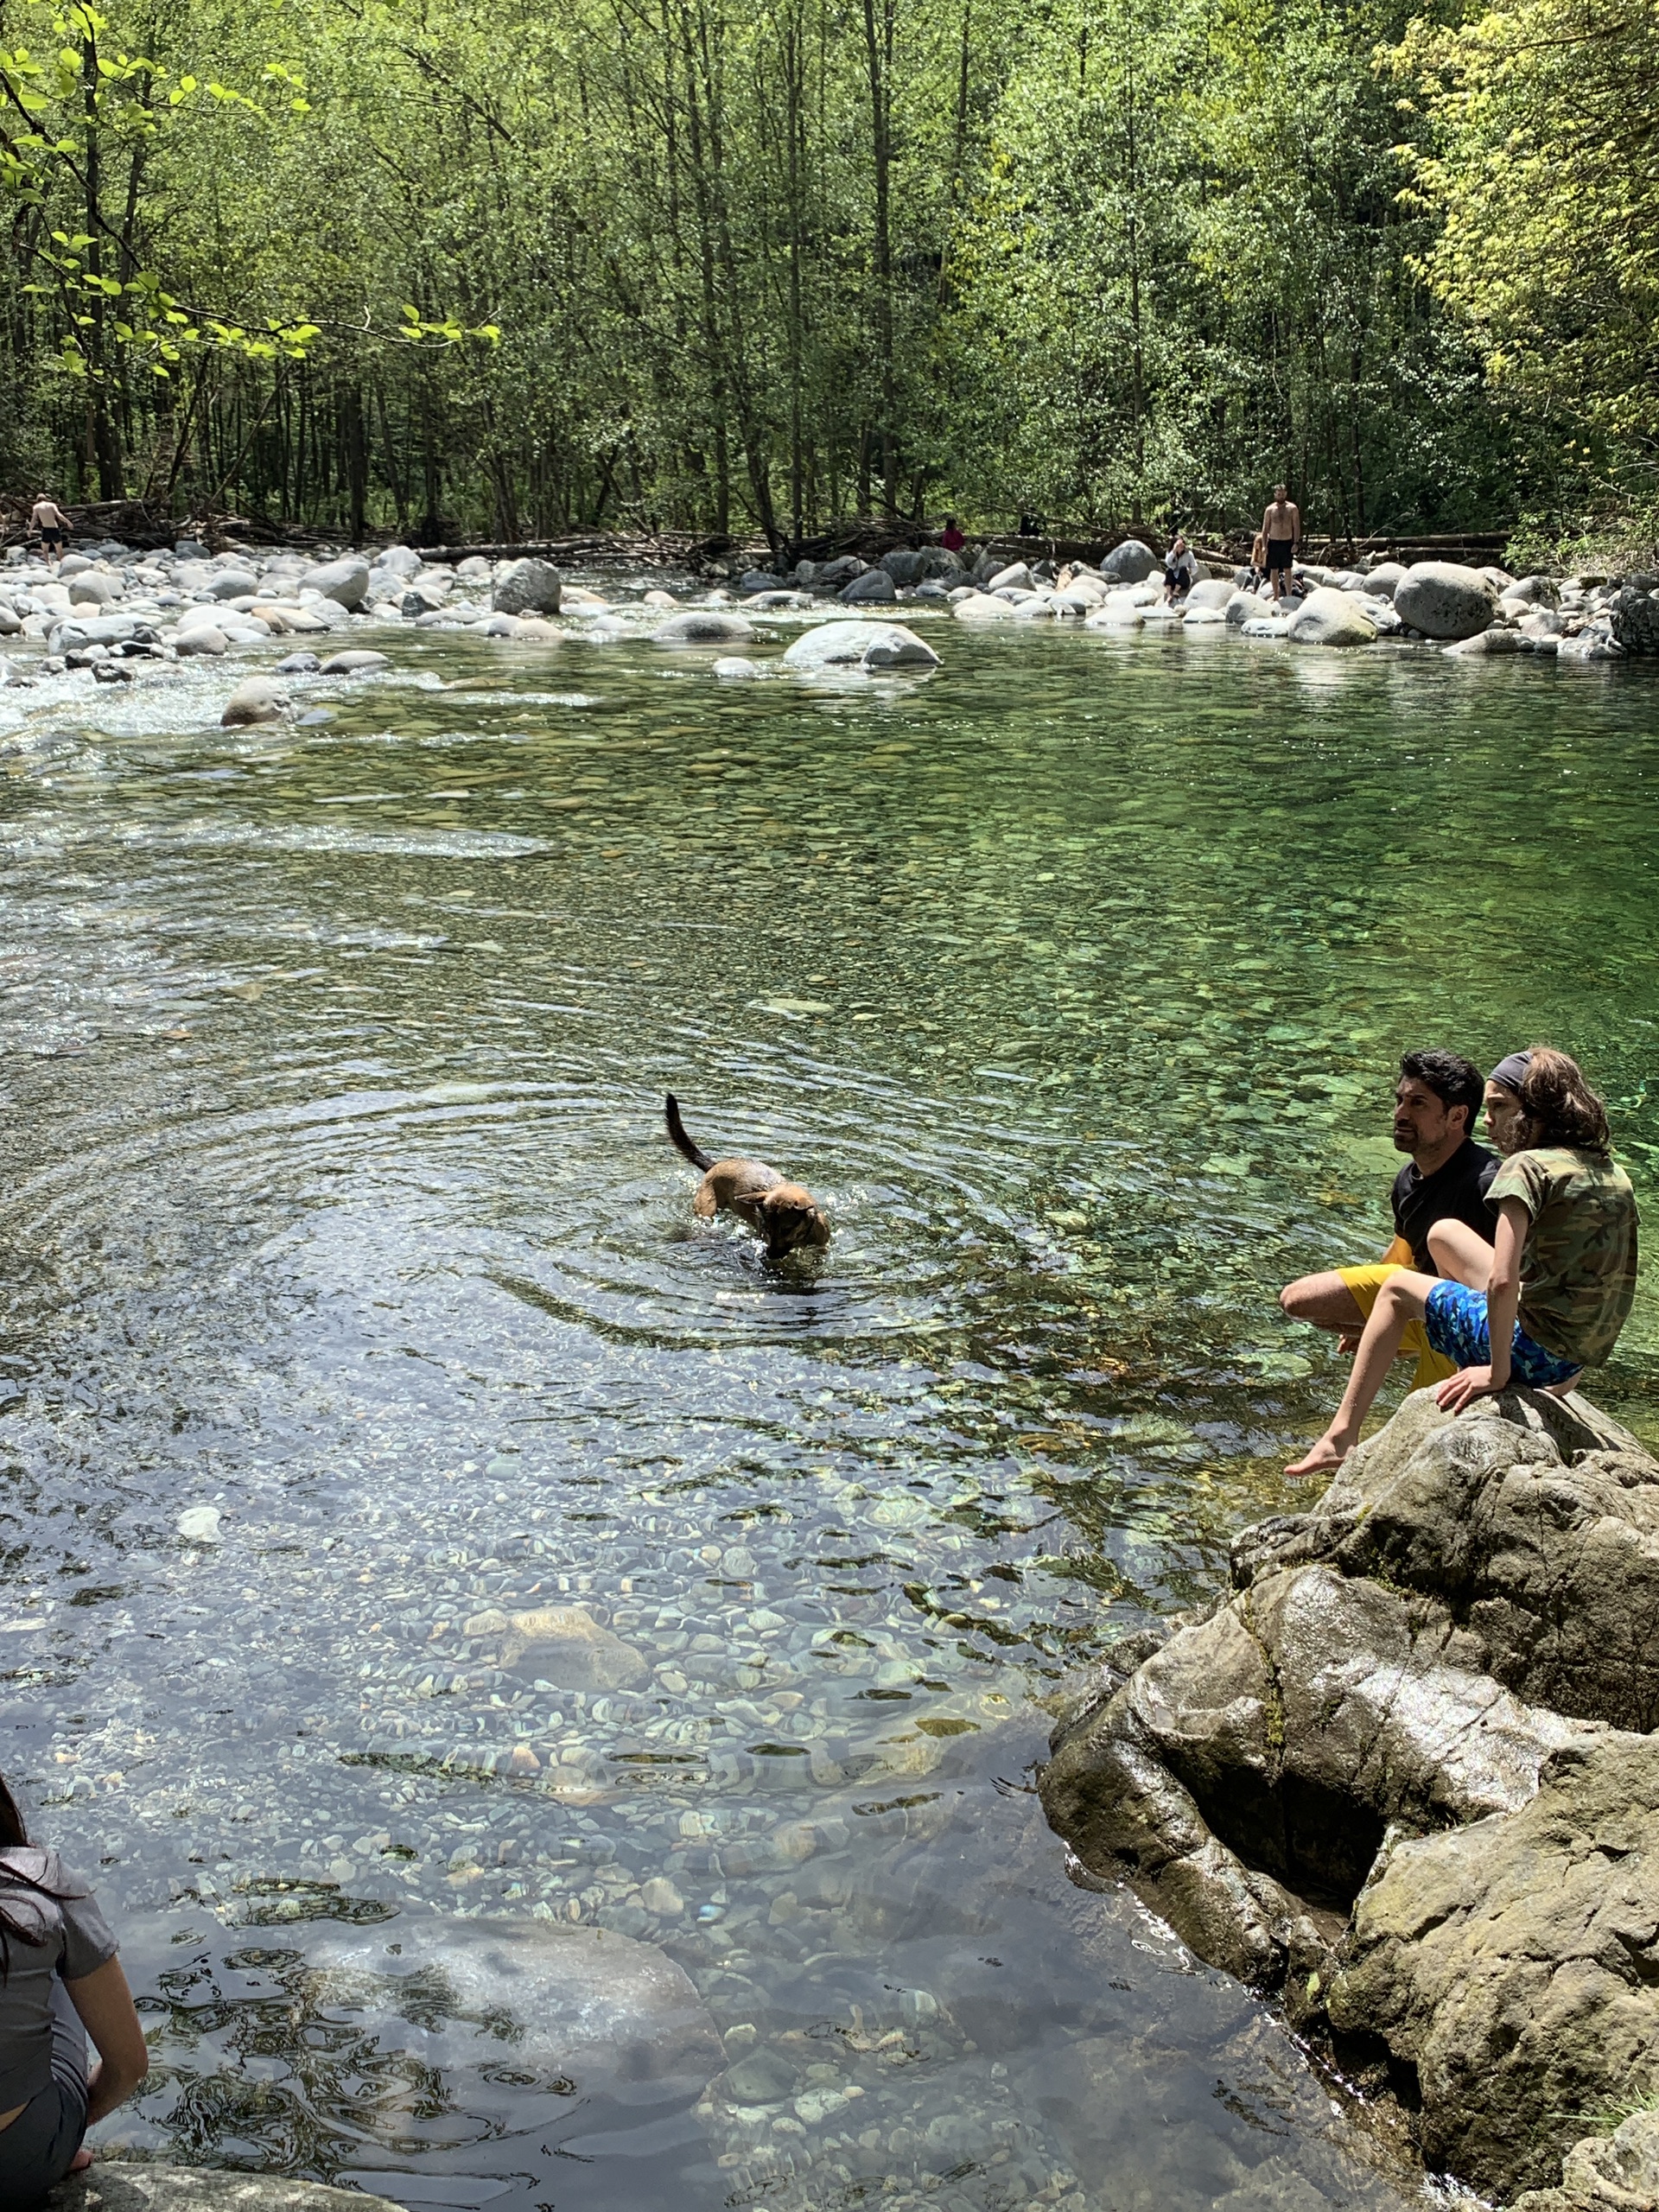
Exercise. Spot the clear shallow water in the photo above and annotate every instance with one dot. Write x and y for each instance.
(1072, 978)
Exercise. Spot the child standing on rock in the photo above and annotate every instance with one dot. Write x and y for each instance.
(1550, 1296)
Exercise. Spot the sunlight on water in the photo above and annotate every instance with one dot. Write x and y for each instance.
(577, 1567)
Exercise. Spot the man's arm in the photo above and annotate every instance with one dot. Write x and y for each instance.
(1295, 526)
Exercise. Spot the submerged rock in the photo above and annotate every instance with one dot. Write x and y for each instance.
(562, 1644)
(1445, 1641)
(112, 2185)
(586, 2002)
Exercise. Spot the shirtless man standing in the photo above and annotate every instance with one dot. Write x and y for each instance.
(49, 519)
(1281, 526)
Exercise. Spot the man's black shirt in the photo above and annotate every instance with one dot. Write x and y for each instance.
(1455, 1191)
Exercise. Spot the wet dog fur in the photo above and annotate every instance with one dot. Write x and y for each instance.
(786, 1215)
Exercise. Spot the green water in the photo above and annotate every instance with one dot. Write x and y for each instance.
(1072, 978)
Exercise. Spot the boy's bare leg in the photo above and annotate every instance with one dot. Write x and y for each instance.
(1400, 1299)
(1460, 1254)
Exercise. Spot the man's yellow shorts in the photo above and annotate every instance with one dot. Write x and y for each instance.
(1365, 1283)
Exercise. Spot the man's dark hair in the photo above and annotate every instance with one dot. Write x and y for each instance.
(1453, 1080)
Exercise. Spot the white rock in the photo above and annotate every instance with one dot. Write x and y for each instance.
(1328, 617)
(233, 583)
(1209, 593)
(201, 640)
(874, 588)
(732, 668)
(358, 661)
(1119, 610)
(1016, 576)
(346, 582)
(863, 644)
(199, 1524)
(983, 606)
(704, 625)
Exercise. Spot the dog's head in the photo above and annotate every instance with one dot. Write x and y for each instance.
(791, 1218)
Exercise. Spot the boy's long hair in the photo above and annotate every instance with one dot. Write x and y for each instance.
(1559, 1106)
(14, 1836)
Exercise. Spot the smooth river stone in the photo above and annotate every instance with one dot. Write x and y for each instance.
(587, 2002)
(563, 1645)
(863, 644)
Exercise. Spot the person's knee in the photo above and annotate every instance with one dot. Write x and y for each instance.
(1442, 1243)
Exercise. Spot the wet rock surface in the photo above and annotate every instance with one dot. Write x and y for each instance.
(120, 2187)
(1401, 1772)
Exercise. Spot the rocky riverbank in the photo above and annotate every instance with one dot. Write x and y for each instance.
(1404, 1773)
(109, 608)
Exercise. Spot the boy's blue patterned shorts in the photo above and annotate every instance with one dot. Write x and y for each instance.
(1454, 1321)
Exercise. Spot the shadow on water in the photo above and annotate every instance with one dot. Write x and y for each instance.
(576, 1570)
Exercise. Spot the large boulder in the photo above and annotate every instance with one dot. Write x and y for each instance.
(1211, 592)
(906, 565)
(1131, 562)
(1445, 601)
(1413, 1691)
(346, 582)
(861, 645)
(237, 583)
(1383, 581)
(874, 588)
(1632, 616)
(526, 587)
(1513, 1965)
(1327, 617)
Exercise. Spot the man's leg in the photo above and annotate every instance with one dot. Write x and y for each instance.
(1325, 1301)
(1402, 1298)
(1458, 1253)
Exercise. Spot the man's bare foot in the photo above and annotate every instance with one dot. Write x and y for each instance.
(1323, 1458)
(82, 2159)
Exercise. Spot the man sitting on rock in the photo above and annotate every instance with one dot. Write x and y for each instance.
(1446, 1180)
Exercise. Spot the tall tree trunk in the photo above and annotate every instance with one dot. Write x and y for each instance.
(106, 437)
(878, 31)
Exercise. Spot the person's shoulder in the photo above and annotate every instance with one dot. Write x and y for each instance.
(1406, 1182)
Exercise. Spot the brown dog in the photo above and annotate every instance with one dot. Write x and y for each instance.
(785, 1214)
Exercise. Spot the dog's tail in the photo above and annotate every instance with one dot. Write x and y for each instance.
(676, 1130)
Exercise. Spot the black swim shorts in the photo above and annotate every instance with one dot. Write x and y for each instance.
(1277, 553)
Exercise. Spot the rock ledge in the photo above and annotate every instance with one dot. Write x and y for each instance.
(1404, 1773)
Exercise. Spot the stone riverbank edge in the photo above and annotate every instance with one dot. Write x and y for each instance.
(1404, 1773)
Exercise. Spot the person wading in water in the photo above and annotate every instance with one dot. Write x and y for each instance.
(1282, 527)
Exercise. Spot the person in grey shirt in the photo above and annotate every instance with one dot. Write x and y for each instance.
(60, 1981)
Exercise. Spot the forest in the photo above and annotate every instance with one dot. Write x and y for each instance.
(751, 266)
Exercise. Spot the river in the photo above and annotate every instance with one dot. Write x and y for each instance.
(1070, 977)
